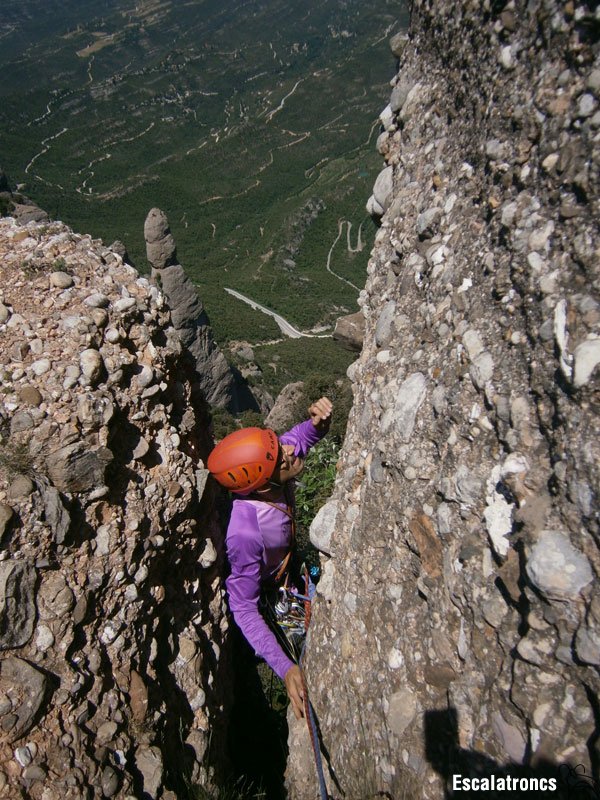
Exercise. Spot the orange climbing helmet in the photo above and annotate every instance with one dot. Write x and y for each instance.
(245, 460)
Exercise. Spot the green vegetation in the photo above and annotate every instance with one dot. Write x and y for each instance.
(240, 789)
(314, 487)
(294, 359)
(232, 122)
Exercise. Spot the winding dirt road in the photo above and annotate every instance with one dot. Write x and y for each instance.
(341, 224)
(285, 327)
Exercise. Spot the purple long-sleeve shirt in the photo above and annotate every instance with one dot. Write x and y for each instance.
(258, 538)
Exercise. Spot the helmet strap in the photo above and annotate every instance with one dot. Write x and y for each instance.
(269, 486)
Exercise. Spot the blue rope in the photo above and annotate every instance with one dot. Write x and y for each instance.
(312, 725)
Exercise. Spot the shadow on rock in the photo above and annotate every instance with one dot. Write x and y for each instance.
(469, 774)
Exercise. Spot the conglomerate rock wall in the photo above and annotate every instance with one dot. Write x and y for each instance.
(457, 625)
(111, 609)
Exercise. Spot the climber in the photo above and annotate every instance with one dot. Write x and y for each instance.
(260, 468)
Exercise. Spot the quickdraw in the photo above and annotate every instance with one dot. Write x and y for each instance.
(288, 612)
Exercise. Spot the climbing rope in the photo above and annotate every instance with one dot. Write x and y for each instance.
(314, 735)
(309, 591)
(289, 614)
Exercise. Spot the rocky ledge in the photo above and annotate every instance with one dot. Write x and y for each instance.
(110, 557)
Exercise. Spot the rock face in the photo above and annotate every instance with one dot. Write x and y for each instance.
(110, 550)
(284, 413)
(460, 603)
(220, 384)
(350, 331)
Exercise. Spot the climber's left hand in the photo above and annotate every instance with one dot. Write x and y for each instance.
(320, 413)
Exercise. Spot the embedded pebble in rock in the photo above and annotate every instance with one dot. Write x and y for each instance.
(511, 737)
(587, 644)
(87, 554)
(28, 686)
(61, 280)
(539, 239)
(41, 366)
(110, 782)
(125, 304)
(106, 732)
(22, 421)
(387, 117)
(44, 639)
(411, 104)
(506, 58)
(482, 369)
(399, 95)
(473, 343)
(99, 317)
(145, 377)
(557, 568)
(467, 485)
(6, 515)
(17, 609)
(97, 300)
(4, 313)
(383, 331)
(383, 187)
(398, 43)
(148, 760)
(402, 710)
(427, 222)
(141, 449)
(72, 374)
(587, 358)
(20, 487)
(92, 365)
(323, 525)
(374, 208)
(586, 105)
(112, 335)
(5, 705)
(34, 773)
(30, 395)
(550, 161)
(409, 399)
(209, 555)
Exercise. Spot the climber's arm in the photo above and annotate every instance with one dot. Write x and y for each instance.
(245, 552)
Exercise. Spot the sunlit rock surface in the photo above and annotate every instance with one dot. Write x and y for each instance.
(457, 621)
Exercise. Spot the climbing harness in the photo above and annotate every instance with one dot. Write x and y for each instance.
(288, 612)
